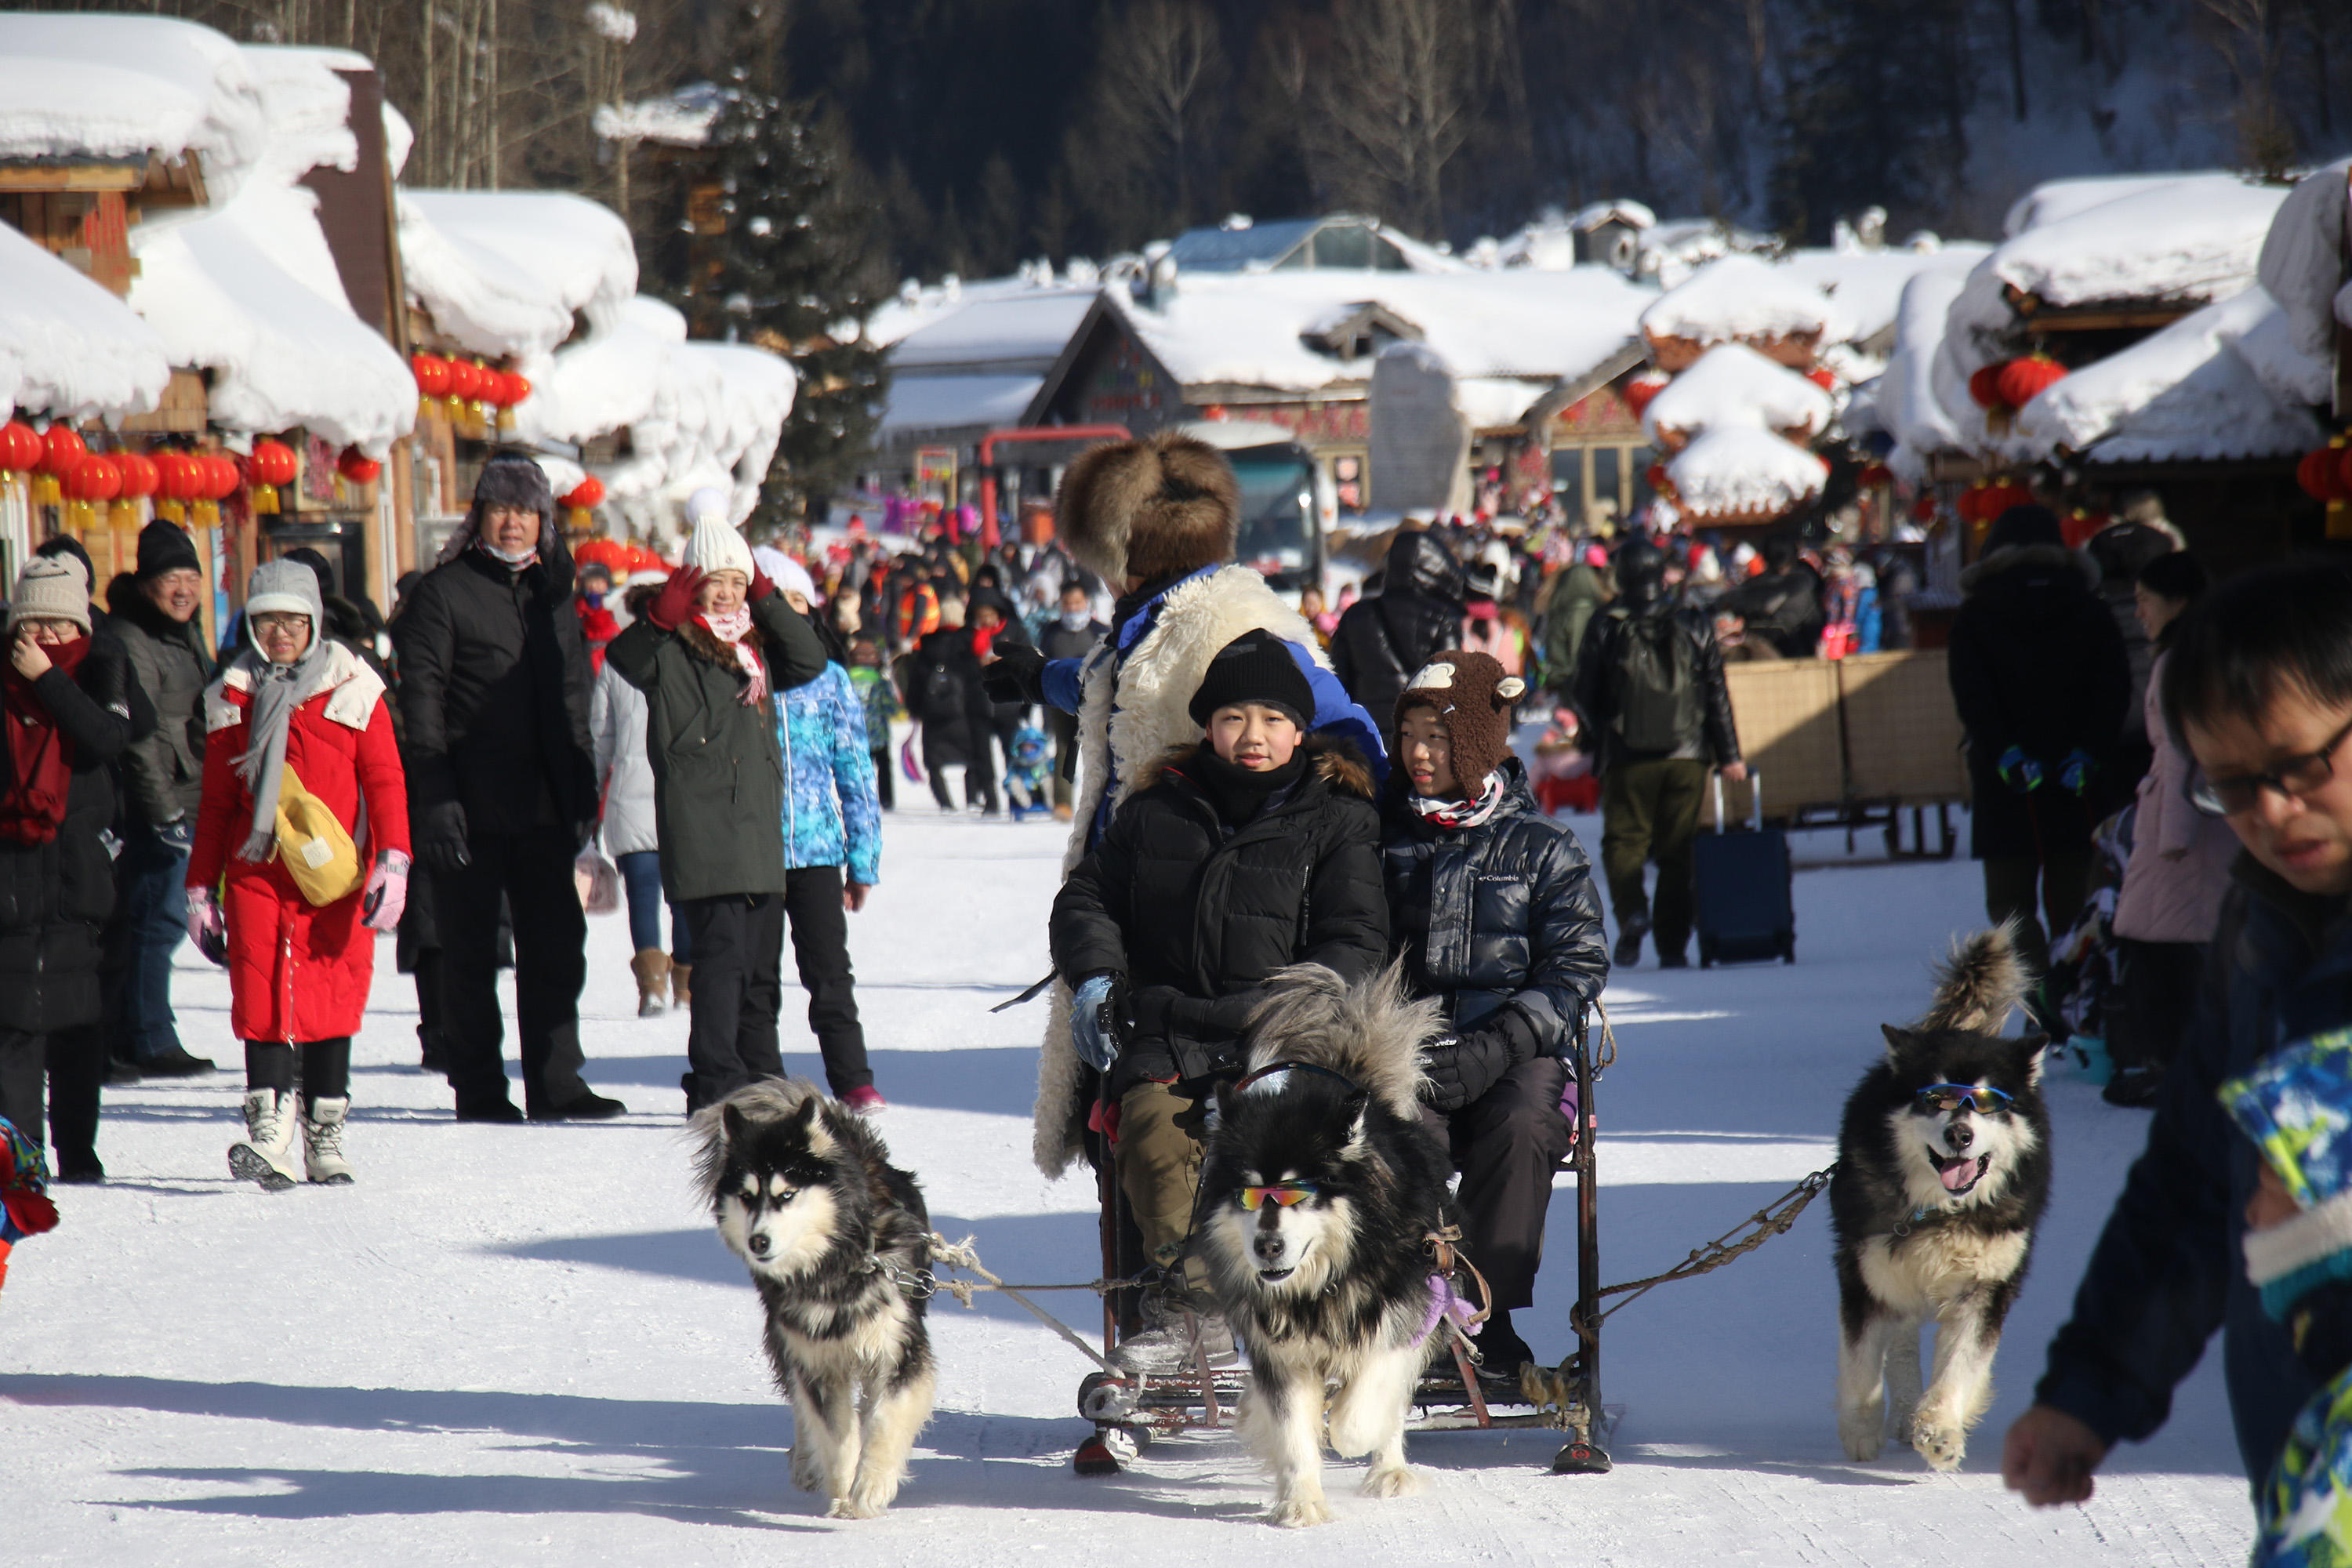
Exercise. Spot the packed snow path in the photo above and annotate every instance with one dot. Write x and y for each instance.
(523, 1345)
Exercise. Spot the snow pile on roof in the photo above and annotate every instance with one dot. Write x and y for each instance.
(1907, 405)
(1738, 472)
(248, 290)
(1866, 286)
(697, 414)
(124, 87)
(680, 119)
(578, 250)
(487, 302)
(1548, 244)
(1733, 385)
(399, 138)
(1247, 331)
(2193, 237)
(1741, 298)
(68, 346)
(917, 403)
(1670, 252)
(2185, 393)
(2302, 262)
(1032, 324)
(307, 106)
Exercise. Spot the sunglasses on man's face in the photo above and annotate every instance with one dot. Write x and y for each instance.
(1939, 1098)
(1283, 1196)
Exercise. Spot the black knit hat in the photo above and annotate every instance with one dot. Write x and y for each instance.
(1255, 667)
(165, 547)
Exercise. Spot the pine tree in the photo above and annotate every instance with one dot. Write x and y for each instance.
(791, 271)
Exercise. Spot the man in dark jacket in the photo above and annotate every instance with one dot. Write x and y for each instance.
(502, 790)
(1649, 687)
(2259, 685)
(1257, 849)
(1782, 604)
(164, 778)
(1381, 640)
(714, 649)
(1072, 634)
(2040, 679)
(1493, 914)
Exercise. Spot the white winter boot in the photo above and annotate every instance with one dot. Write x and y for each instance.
(267, 1155)
(322, 1142)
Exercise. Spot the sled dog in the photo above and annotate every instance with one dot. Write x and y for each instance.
(1319, 1188)
(834, 1237)
(1943, 1171)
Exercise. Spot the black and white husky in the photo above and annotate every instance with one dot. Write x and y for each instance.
(838, 1242)
(1319, 1189)
(1943, 1171)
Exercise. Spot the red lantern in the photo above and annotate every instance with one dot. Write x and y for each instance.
(60, 450)
(95, 478)
(274, 463)
(1656, 476)
(20, 447)
(2321, 473)
(1874, 475)
(358, 466)
(1822, 376)
(139, 475)
(1923, 507)
(588, 492)
(223, 475)
(1984, 386)
(517, 387)
(1639, 391)
(471, 382)
(2021, 380)
(431, 373)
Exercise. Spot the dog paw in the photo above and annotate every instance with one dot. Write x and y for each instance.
(1397, 1480)
(858, 1505)
(805, 1474)
(1862, 1436)
(1297, 1512)
(1941, 1445)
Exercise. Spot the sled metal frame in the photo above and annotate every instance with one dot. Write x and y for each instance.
(1448, 1400)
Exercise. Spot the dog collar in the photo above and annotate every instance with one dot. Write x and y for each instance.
(1919, 1216)
(1272, 1068)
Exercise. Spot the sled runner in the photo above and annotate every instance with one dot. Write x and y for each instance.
(1129, 1410)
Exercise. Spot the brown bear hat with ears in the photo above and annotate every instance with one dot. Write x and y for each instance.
(1150, 509)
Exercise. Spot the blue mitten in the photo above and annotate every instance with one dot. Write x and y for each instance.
(1095, 1024)
(2018, 772)
(2075, 772)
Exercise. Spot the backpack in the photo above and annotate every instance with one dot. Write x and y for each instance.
(1654, 687)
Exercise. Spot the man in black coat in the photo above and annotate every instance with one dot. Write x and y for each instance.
(1381, 640)
(1072, 634)
(502, 790)
(1782, 604)
(1649, 685)
(2040, 677)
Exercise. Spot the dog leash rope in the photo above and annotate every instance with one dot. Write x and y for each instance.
(962, 1254)
(1774, 1219)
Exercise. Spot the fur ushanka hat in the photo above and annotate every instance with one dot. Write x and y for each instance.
(1473, 695)
(1149, 509)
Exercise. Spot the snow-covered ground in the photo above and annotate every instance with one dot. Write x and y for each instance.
(523, 1345)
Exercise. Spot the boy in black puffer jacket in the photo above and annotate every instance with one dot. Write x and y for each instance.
(1495, 915)
(1255, 849)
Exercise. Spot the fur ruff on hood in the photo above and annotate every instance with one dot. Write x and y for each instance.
(1337, 762)
(1151, 508)
(1370, 1033)
(1131, 714)
(2016, 556)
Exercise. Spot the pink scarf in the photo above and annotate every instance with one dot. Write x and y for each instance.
(731, 628)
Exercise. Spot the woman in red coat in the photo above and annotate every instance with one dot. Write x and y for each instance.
(297, 716)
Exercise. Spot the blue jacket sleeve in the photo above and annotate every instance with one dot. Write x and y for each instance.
(852, 776)
(1339, 714)
(1064, 688)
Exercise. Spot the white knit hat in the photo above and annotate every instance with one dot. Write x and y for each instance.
(50, 589)
(788, 574)
(716, 547)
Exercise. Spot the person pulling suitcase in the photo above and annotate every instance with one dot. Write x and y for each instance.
(1650, 688)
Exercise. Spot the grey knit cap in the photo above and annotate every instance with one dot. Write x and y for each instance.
(284, 587)
(49, 589)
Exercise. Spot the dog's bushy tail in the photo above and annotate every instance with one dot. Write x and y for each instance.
(1979, 986)
(769, 1100)
(1370, 1032)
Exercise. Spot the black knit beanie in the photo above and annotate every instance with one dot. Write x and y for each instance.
(1255, 667)
(165, 547)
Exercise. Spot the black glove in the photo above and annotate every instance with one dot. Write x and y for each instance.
(1017, 675)
(441, 841)
(1462, 1068)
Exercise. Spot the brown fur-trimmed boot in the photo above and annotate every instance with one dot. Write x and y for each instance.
(681, 994)
(651, 966)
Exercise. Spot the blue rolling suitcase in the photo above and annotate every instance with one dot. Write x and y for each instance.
(1740, 897)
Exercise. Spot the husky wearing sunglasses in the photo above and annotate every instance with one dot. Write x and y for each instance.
(837, 1240)
(1943, 1171)
(1319, 1189)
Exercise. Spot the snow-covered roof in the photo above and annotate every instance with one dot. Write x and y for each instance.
(101, 86)
(994, 327)
(1741, 472)
(1744, 298)
(1906, 403)
(68, 346)
(1241, 246)
(1733, 385)
(1622, 209)
(2055, 200)
(578, 249)
(1246, 330)
(924, 403)
(488, 303)
(1867, 286)
(1670, 251)
(680, 119)
(2184, 394)
(248, 290)
(305, 106)
(2195, 237)
(2302, 262)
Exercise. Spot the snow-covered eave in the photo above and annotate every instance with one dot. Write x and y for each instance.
(68, 346)
(114, 87)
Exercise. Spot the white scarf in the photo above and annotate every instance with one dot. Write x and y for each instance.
(1445, 813)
